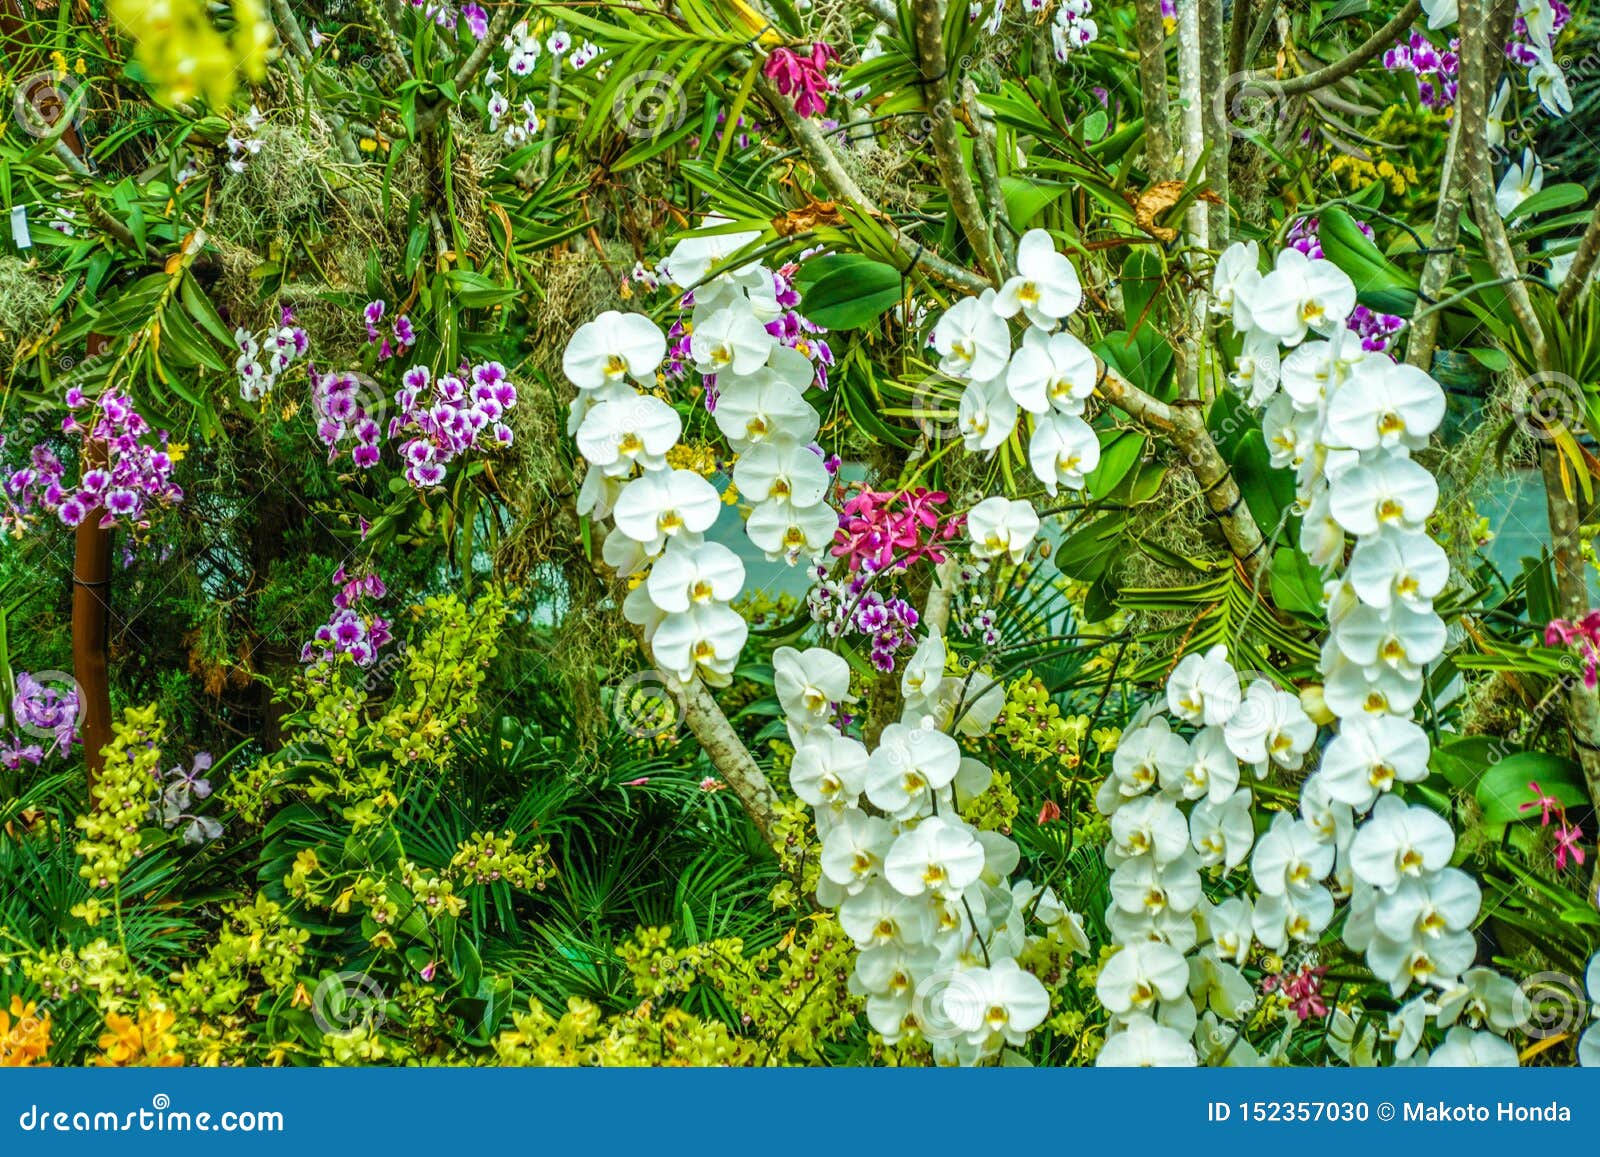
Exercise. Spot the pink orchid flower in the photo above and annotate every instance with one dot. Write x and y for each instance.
(1568, 844)
(1548, 805)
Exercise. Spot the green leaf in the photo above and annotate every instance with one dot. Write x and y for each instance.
(1461, 762)
(1296, 583)
(1551, 197)
(1117, 457)
(1268, 492)
(1380, 284)
(1490, 359)
(844, 291)
(1504, 789)
(1025, 200)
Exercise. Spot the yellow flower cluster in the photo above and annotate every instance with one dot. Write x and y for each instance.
(24, 1036)
(1032, 723)
(121, 798)
(183, 54)
(643, 1036)
(793, 998)
(490, 858)
(145, 1040)
(347, 758)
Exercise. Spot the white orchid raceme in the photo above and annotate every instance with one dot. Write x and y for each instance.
(1348, 422)
(1051, 375)
(661, 514)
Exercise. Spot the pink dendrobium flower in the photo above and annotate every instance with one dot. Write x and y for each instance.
(805, 78)
(1303, 990)
(1583, 636)
(882, 529)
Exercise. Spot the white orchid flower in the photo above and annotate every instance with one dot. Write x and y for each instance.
(1045, 287)
(1000, 526)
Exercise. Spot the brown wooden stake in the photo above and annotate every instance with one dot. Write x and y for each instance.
(91, 611)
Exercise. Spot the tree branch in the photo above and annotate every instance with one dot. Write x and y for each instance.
(1186, 426)
(467, 73)
(1345, 66)
(985, 158)
(1583, 263)
(842, 187)
(939, 103)
(732, 760)
(1150, 31)
(1565, 514)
